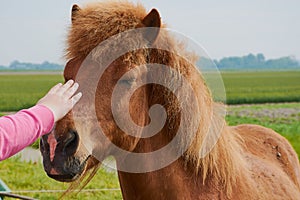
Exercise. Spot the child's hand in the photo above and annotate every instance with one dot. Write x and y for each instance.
(61, 99)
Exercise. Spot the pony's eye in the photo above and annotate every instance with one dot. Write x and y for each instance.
(126, 81)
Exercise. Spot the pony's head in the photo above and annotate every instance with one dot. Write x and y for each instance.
(65, 157)
(70, 149)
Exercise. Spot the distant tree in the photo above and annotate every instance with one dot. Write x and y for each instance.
(260, 57)
(206, 64)
(283, 62)
(2, 67)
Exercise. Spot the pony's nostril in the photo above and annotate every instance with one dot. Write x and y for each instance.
(71, 143)
(71, 138)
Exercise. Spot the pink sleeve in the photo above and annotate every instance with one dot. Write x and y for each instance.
(23, 128)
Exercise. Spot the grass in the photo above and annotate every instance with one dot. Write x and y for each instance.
(262, 87)
(20, 176)
(23, 90)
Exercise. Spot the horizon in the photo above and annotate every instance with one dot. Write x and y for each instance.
(250, 62)
(35, 31)
(213, 59)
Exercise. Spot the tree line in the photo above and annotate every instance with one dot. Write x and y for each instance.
(248, 62)
(17, 65)
(257, 62)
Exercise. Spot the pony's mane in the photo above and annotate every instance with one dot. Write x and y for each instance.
(223, 162)
(96, 22)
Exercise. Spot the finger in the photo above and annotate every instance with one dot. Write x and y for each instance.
(55, 88)
(76, 98)
(65, 87)
(71, 91)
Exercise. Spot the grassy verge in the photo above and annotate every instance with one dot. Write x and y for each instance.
(20, 176)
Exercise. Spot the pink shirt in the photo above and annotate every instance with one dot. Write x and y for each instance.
(23, 128)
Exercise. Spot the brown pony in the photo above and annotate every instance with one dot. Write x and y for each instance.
(247, 162)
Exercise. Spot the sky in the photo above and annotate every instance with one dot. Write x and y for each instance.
(35, 31)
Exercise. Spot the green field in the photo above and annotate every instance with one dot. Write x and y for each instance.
(262, 87)
(22, 91)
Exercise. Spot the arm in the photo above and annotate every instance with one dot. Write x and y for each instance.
(23, 128)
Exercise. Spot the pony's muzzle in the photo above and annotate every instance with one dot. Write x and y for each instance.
(58, 154)
(66, 144)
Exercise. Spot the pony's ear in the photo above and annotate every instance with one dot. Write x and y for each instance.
(75, 9)
(151, 20)
(71, 69)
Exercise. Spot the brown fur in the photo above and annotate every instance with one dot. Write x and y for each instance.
(245, 162)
